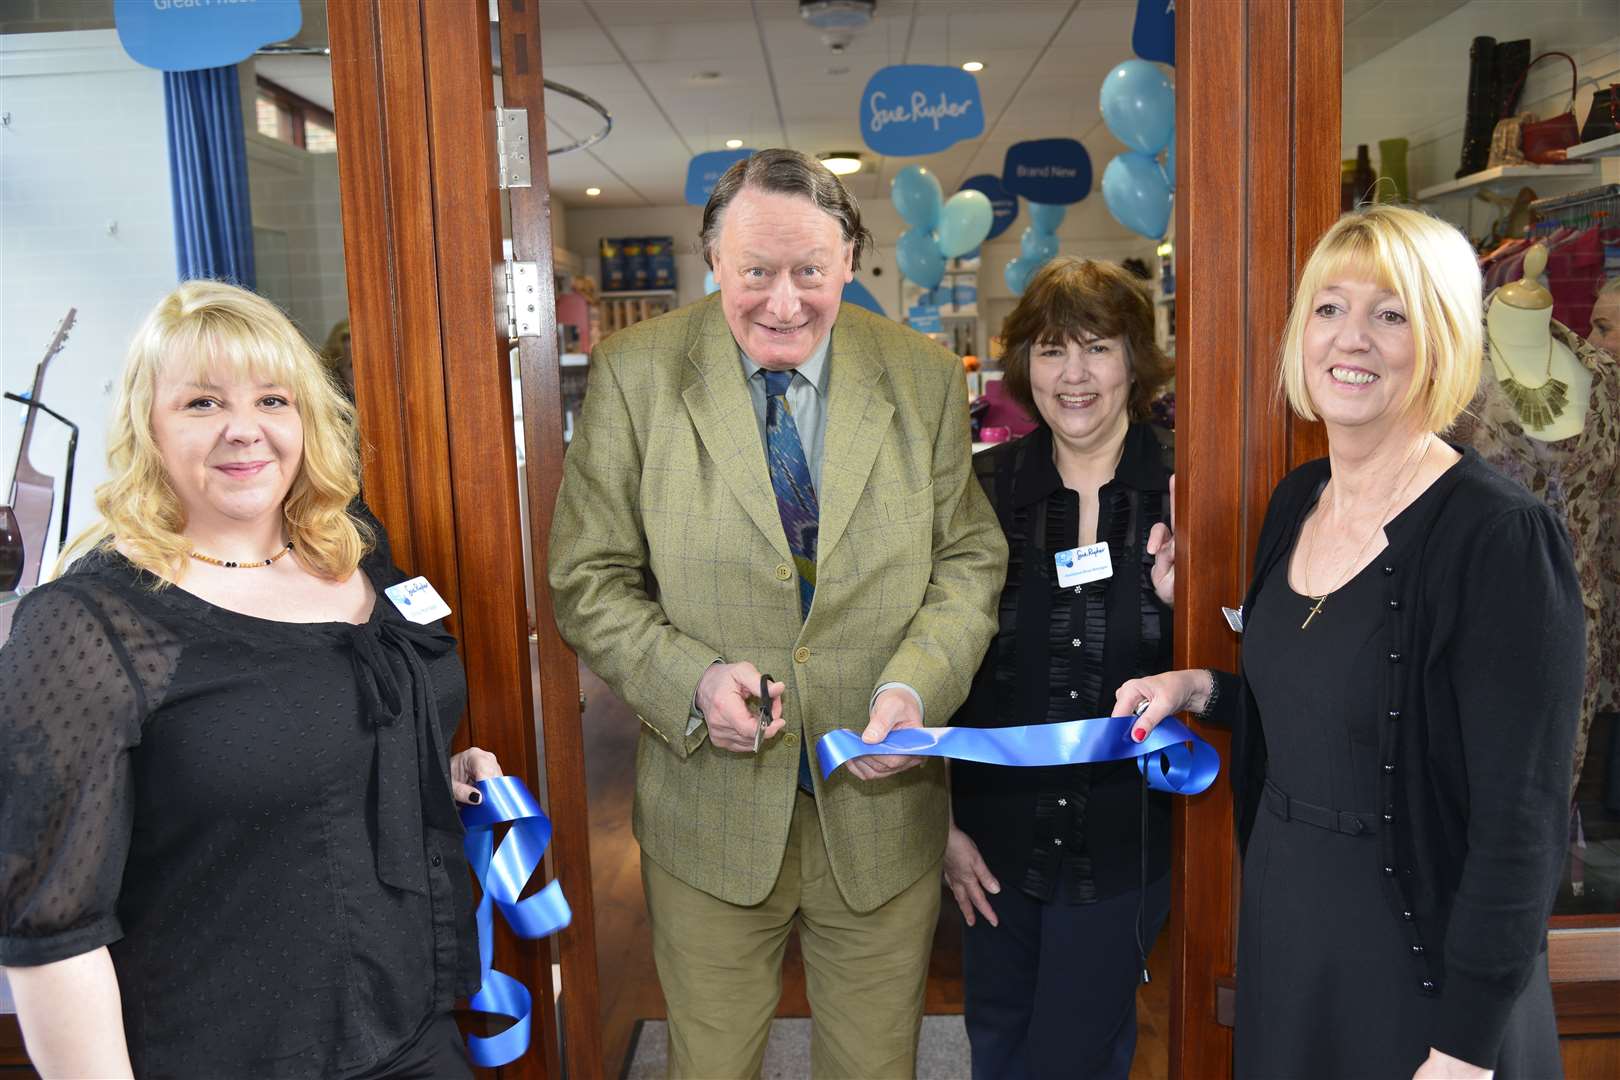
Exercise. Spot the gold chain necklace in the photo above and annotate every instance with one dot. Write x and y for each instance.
(209, 559)
(1383, 519)
(1537, 406)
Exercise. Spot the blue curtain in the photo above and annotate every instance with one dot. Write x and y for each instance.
(213, 223)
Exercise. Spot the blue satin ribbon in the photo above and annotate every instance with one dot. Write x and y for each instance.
(502, 873)
(1172, 758)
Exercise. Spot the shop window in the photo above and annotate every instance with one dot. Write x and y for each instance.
(290, 118)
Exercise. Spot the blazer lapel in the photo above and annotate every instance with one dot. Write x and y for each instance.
(858, 414)
(723, 414)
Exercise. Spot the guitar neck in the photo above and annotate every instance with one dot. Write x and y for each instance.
(25, 473)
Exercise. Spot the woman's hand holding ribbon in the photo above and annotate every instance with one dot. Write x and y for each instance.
(968, 877)
(1155, 697)
(466, 769)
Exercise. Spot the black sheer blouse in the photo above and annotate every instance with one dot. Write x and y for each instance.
(1070, 832)
(255, 816)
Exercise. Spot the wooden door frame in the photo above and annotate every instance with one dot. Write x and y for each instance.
(414, 103)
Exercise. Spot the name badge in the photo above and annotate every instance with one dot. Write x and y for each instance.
(1077, 566)
(1234, 618)
(417, 600)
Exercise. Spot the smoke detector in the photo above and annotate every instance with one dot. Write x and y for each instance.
(837, 19)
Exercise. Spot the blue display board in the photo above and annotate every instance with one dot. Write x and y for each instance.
(1052, 171)
(706, 170)
(1003, 202)
(913, 109)
(1153, 37)
(924, 318)
(186, 35)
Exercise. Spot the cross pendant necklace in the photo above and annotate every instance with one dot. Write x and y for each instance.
(1320, 600)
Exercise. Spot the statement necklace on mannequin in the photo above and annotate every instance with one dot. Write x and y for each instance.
(1383, 519)
(227, 564)
(1537, 406)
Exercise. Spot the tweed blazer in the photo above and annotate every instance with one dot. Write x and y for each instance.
(667, 551)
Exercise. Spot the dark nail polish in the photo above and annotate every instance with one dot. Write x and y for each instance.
(476, 797)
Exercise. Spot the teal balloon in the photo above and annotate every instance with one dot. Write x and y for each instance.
(916, 194)
(918, 256)
(1134, 188)
(709, 284)
(1037, 245)
(1046, 217)
(1018, 273)
(965, 222)
(1139, 106)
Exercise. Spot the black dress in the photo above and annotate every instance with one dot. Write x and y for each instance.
(254, 816)
(1324, 985)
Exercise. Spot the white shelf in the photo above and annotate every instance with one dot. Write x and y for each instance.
(1506, 172)
(1608, 146)
(575, 359)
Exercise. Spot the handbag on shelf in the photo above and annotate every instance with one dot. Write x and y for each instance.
(1603, 118)
(1543, 142)
(1507, 141)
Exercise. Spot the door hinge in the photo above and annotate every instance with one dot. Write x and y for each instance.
(512, 146)
(521, 294)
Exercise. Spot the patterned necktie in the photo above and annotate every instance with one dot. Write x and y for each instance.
(790, 477)
(796, 502)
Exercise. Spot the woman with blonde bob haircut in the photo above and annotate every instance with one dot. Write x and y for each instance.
(227, 776)
(1405, 715)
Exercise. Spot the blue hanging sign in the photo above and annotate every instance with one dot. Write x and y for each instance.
(186, 35)
(1154, 35)
(912, 109)
(1004, 205)
(924, 318)
(706, 170)
(1052, 171)
(859, 295)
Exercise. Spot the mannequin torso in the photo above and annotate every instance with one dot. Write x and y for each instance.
(1523, 353)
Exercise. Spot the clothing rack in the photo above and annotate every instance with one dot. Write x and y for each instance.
(1591, 207)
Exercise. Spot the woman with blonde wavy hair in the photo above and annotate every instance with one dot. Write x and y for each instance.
(227, 807)
(1403, 724)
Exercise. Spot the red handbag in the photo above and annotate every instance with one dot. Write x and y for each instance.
(1544, 141)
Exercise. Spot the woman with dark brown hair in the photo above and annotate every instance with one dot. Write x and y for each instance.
(1062, 872)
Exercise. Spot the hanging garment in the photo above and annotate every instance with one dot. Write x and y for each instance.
(1574, 272)
(1579, 480)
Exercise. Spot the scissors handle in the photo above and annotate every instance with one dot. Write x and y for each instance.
(764, 711)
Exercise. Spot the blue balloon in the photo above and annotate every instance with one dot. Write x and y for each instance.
(1139, 106)
(1046, 217)
(965, 222)
(916, 194)
(1170, 165)
(919, 258)
(1134, 188)
(1018, 273)
(1037, 245)
(709, 284)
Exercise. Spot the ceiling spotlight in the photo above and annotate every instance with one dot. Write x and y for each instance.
(733, 144)
(593, 192)
(842, 162)
(973, 65)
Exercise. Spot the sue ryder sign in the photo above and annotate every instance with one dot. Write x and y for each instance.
(1052, 171)
(705, 170)
(912, 109)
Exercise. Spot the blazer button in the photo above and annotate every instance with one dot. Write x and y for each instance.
(1428, 986)
(1394, 605)
(790, 739)
(1394, 657)
(801, 655)
(1406, 916)
(1389, 871)
(437, 861)
(783, 571)
(1389, 767)
(1394, 714)
(1417, 950)
(1388, 570)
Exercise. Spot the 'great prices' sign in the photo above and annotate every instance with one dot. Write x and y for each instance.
(185, 35)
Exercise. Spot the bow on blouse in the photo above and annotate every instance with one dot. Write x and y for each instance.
(406, 751)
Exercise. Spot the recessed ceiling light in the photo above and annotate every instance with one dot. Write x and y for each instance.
(706, 76)
(733, 144)
(973, 65)
(593, 192)
(838, 69)
(842, 162)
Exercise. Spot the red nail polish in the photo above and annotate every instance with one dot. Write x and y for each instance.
(1138, 734)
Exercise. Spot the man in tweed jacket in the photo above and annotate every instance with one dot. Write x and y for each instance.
(676, 582)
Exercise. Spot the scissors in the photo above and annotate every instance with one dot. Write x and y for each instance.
(764, 712)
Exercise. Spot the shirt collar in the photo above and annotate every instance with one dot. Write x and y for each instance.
(1140, 465)
(814, 369)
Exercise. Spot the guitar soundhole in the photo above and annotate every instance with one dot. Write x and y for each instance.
(11, 550)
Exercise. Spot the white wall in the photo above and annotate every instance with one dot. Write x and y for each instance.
(1418, 89)
(298, 233)
(85, 221)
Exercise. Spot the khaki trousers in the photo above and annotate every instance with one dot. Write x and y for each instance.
(720, 966)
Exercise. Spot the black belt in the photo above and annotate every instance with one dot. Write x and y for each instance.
(1348, 822)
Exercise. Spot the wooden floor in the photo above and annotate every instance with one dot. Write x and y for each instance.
(629, 985)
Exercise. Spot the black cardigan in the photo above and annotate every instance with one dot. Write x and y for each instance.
(1485, 637)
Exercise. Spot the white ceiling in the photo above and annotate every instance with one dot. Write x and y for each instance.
(779, 84)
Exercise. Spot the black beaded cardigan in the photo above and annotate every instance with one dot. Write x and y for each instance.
(1485, 646)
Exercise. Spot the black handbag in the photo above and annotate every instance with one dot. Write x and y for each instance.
(1604, 116)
